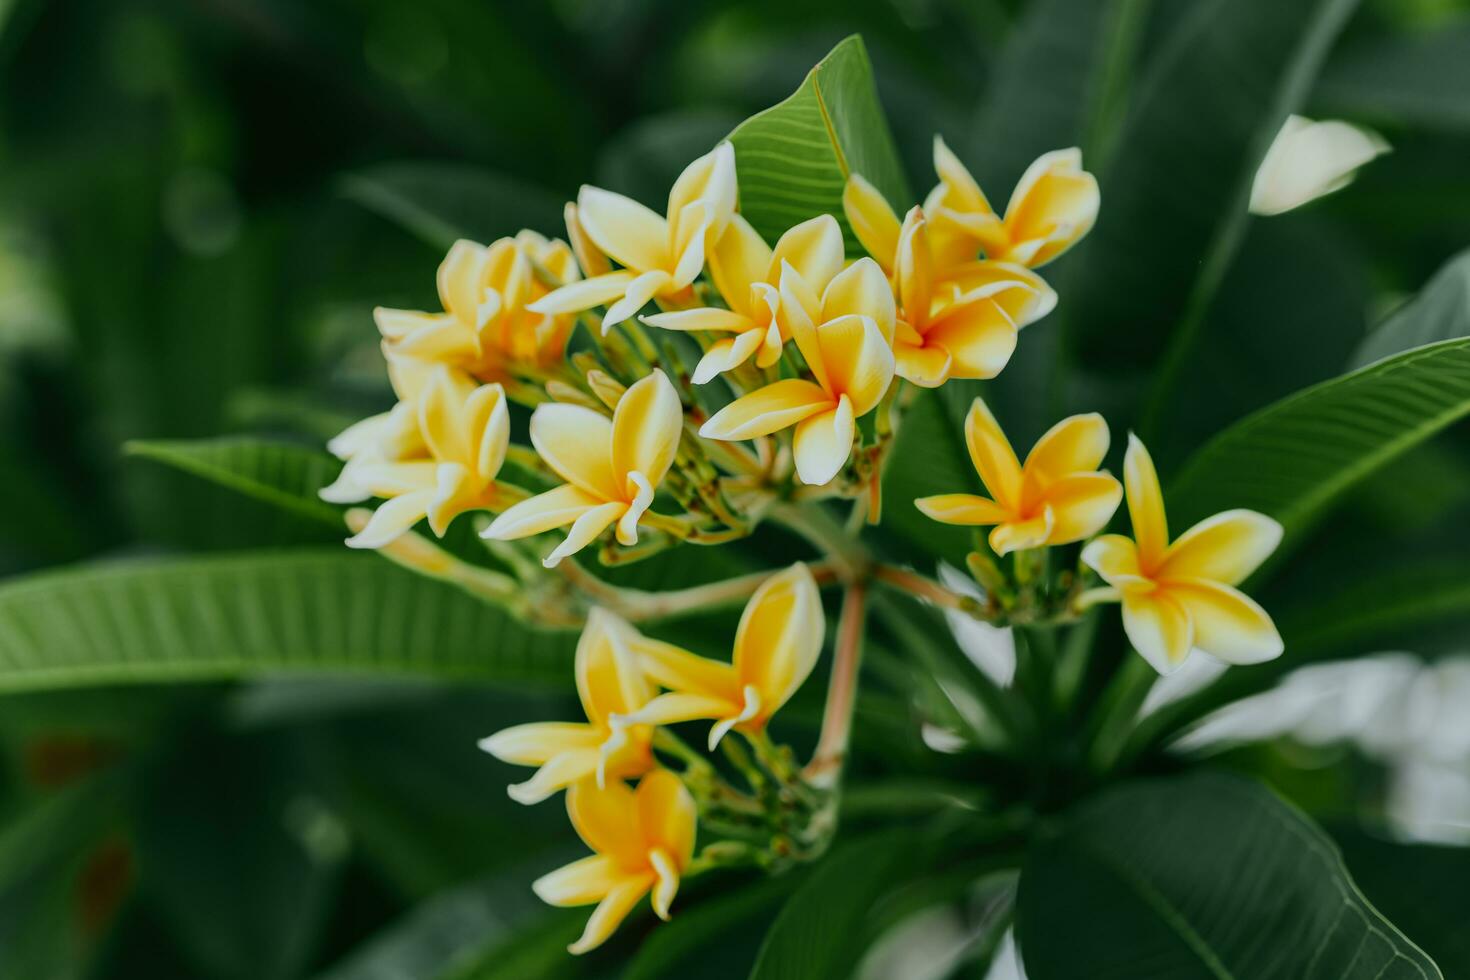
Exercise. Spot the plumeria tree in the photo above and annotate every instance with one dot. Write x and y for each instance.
(740, 470)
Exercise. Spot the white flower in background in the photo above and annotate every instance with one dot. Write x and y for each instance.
(991, 648)
(1395, 708)
(1007, 962)
(1308, 160)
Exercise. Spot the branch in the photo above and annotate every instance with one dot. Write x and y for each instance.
(825, 769)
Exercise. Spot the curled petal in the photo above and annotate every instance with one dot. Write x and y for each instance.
(962, 508)
(584, 531)
(442, 416)
(1021, 535)
(579, 883)
(1159, 629)
(798, 314)
(628, 524)
(490, 418)
(923, 365)
(1226, 548)
(668, 816)
(1082, 503)
(1115, 558)
(750, 710)
(914, 269)
(710, 181)
(694, 225)
(609, 678)
(1074, 445)
(1145, 505)
(858, 359)
(646, 427)
(587, 254)
(576, 442)
(823, 443)
(611, 912)
(634, 236)
(813, 248)
(537, 743)
(559, 772)
(1228, 624)
(666, 883)
(872, 220)
(392, 519)
(766, 410)
(583, 295)
(993, 457)
(554, 508)
(640, 291)
(727, 354)
(739, 259)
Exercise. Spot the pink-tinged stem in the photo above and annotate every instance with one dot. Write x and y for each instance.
(825, 769)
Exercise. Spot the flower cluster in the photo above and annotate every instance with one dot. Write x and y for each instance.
(722, 379)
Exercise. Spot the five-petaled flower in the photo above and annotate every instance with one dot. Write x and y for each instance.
(644, 841)
(1057, 497)
(776, 646)
(609, 682)
(1182, 596)
(845, 337)
(747, 273)
(465, 431)
(611, 467)
(661, 256)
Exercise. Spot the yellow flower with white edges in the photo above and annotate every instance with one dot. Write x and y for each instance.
(660, 255)
(777, 644)
(465, 431)
(1183, 596)
(845, 337)
(612, 468)
(609, 682)
(644, 841)
(1052, 207)
(747, 273)
(965, 325)
(1057, 497)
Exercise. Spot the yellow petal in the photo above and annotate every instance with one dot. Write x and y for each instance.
(1074, 445)
(1309, 159)
(739, 259)
(642, 491)
(584, 295)
(676, 707)
(392, 519)
(915, 270)
(1082, 503)
(611, 912)
(442, 419)
(799, 311)
(456, 491)
(823, 443)
(667, 815)
(993, 457)
(679, 670)
(554, 508)
(584, 530)
(751, 709)
(560, 771)
(1228, 624)
(579, 883)
(489, 418)
(708, 180)
(634, 236)
(666, 883)
(1145, 506)
(693, 228)
(1032, 532)
(858, 360)
(766, 410)
(702, 319)
(1022, 294)
(861, 290)
(955, 236)
(813, 248)
(979, 337)
(872, 220)
(461, 279)
(1054, 205)
(445, 339)
(646, 427)
(576, 442)
(1159, 629)
(537, 743)
(638, 294)
(962, 193)
(606, 818)
(609, 678)
(925, 366)
(1115, 558)
(593, 262)
(395, 325)
(780, 636)
(962, 508)
(1225, 548)
(727, 354)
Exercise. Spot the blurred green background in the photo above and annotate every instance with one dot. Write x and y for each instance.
(197, 213)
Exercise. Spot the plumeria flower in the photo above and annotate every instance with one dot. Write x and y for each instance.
(776, 646)
(643, 840)
(845, 336)
(661, 256)
(1180, 596)
(609, 682)
(965, 326)
(1308, 160)
(747, 273)
(466, 430)
(611, 467)
(1057, 497)
(485, 324)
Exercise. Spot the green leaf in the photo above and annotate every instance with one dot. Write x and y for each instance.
(1440, 311)
(819, 935)
(244, 614)
(1292, 459)
(1431, 911)
(1413, 79)
(928, 457)
(442, 202)
(713, 938)
(1203, 876)
(1174, 196)
(794, 158)
(282, 474)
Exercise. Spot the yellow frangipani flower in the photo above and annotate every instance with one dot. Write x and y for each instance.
(465, 430)
(643, 840)
(1182, 596)
(1053, 205)
(611, 467)
(1057, 497)
(966, 325)
(485, 324)
(661, 256)
(845, 336)
(747, 273)
(777, 644)
(609, 681)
